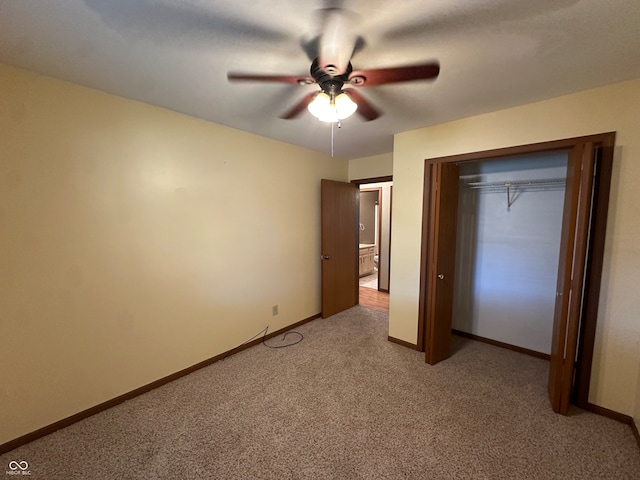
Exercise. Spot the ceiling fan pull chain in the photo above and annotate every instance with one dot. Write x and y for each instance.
(332, 139)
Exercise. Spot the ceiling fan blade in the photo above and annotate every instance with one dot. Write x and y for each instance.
(381, 76)
(364, 107)
(299, 107)
(312, 47)
(337, 42)
(298, 80)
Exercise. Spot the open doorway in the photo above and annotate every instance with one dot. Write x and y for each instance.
(374, 242)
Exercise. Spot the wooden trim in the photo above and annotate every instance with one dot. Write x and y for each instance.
(65, 422)
(356, 257)
(531, 148)
(383, 290)
(497, 343)
(424, 258)
(605, 412)
(390, 238)
(360, 181)
(402, 342)
(620, 417)
(379, 233)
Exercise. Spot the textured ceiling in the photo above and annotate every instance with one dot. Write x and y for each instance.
(176, 54)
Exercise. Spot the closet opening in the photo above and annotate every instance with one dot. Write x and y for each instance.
(508, 242)
(488, 272)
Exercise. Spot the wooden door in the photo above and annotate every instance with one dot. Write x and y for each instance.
(339, 225)
(443, 214)
(571, 274)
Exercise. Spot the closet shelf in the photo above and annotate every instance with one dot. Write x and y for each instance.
(549, 183)
(516, 186)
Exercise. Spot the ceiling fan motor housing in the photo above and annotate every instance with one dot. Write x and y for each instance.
(330, 84)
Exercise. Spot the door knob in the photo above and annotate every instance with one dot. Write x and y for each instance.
(324, 257)
(441, 276)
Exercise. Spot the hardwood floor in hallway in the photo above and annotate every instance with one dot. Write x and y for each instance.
(373, 299)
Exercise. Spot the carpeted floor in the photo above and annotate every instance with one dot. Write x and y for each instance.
(343, 404)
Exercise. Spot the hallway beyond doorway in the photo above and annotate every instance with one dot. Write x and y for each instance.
(374, 300)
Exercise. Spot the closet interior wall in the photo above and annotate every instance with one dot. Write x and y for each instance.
(507, 250)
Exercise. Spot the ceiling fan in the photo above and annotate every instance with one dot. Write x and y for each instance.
(331, 69)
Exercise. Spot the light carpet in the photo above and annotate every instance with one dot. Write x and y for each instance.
(343, 404)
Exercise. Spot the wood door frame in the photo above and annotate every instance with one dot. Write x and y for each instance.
(592, 261)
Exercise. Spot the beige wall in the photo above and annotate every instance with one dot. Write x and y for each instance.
(135, 242)
(615, 377)
(371, 167)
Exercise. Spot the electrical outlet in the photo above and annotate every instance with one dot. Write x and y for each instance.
(274, 310)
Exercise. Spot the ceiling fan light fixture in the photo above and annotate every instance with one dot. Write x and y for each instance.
(326, 110)
(345, 106)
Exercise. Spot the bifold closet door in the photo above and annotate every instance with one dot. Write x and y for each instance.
(443, 215)
(580, 262)
(571, 274)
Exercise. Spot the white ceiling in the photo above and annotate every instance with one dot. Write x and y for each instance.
(176, 54)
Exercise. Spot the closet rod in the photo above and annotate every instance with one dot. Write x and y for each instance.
(498, 186)
(518, 185)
